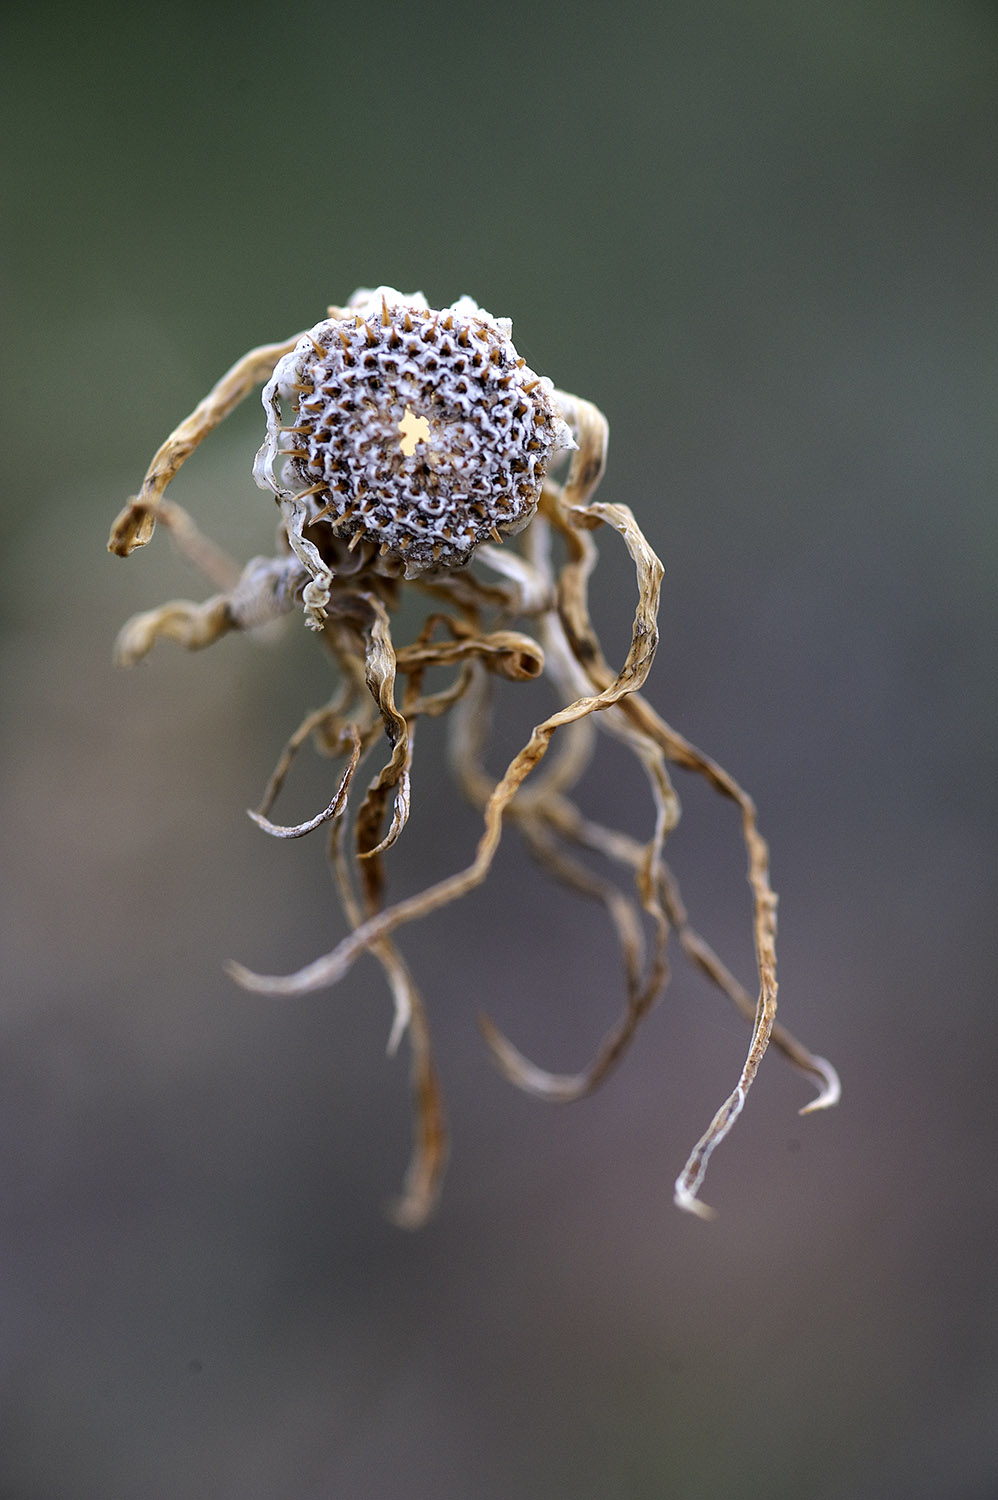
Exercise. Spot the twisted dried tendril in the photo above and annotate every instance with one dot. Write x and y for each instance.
(422, 442)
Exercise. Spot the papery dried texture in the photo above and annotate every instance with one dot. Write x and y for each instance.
(420, 433)
(419, 441)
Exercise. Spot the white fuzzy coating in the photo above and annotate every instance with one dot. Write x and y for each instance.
(421, 432)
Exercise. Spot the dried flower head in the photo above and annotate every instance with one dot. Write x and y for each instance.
(422, 433)
(418, 442)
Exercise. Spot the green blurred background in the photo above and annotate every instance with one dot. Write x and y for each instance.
(762, 237)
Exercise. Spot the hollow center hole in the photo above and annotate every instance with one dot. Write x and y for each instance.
(414, 430)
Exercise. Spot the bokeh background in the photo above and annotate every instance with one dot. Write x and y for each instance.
(763, 238)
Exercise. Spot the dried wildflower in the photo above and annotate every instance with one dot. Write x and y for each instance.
(404, 444)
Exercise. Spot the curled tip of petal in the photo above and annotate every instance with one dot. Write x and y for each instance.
(690, 1203)
(523, 1074)
(260, 984)
(400, 1025)
(296, 830)
(409, 1213)
(276, 830)
(831, 1088)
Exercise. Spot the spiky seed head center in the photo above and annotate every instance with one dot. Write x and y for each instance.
(422, 432)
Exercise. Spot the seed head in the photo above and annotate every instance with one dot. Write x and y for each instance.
(421, 432)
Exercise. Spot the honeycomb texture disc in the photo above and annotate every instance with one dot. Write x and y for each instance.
(422, 432)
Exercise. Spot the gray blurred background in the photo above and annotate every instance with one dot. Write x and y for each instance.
(762, 237)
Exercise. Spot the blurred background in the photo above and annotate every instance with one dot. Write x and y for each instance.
(762, 237)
